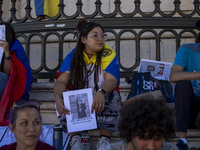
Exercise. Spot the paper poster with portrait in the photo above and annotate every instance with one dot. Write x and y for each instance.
(158, 69)
(79, 102)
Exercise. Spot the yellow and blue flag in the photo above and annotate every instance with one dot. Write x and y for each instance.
(46, 7)
(109, 62)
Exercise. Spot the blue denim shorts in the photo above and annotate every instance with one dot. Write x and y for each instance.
(3, 80)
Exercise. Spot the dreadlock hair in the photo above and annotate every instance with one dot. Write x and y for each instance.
(79, 75)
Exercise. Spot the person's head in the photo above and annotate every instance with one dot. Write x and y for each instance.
(10, 33)
(79, 101)
(146, 122)
(90, 35)
(25, 122)
(91, 40)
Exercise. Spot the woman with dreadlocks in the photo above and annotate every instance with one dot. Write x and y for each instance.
(92, 64)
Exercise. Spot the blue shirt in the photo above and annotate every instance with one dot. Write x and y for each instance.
(188, 57)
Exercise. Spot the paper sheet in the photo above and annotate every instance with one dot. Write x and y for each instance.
(158, 69)
(79, 102)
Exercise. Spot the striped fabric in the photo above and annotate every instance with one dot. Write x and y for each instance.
(46, 7)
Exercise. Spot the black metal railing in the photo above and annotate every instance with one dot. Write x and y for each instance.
(117, 23)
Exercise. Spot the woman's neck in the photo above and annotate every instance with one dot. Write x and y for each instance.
(89, 54)
(129, 146)
(24, 147)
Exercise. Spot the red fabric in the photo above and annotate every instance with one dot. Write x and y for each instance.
(40, 146)
(14, 89)
(117, 89)
(58, 74)
(43, 17)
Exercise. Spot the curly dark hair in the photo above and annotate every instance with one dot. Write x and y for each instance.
(79, 77)
(146, 118)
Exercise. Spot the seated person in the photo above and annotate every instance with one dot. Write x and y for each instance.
(15, 74)
(92, 64)
(26, 124)
(144, 125)
(186, 74)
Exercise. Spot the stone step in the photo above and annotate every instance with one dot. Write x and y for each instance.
(44, 93)
(193, 138)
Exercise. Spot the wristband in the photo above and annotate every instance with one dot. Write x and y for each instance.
(8, 57)
(103, 92)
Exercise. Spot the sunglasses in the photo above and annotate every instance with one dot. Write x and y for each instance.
(21, 103)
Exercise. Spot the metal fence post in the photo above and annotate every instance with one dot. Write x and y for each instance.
(58, 136)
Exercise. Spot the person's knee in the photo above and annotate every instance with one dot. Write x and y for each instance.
(3, 80)
(4, 77)
(183, 86)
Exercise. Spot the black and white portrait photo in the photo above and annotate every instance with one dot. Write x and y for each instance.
(79, 102)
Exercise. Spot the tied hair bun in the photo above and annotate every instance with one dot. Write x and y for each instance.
(81, 22)
(197, 25)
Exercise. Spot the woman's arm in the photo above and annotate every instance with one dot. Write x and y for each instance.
(59, 88)
(99, 98)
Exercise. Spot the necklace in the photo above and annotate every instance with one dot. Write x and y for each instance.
(88, 53)
(89, 71)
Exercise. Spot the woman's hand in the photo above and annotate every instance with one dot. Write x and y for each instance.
(5, 46)
(98, 102)
(7, 63)
(61, 108)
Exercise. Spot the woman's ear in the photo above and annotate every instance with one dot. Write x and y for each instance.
(83, 39)
(11, 128)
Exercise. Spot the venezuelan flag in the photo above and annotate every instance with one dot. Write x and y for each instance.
(19, 83)
(46, 7)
